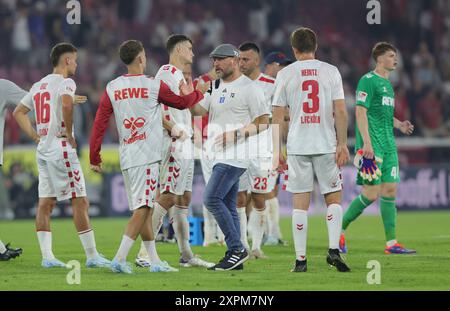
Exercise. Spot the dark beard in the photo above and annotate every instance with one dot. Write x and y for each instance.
(226, 74)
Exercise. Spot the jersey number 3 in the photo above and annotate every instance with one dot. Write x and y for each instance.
(311, 86)
(42, 102)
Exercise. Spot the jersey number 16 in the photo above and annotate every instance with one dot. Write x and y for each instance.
(42, 102)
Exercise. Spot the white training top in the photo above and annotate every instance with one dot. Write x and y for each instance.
(309, 88)
(45, 99)
(137, 112)
(231, 106)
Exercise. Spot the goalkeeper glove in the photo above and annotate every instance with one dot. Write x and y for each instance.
(368, 168)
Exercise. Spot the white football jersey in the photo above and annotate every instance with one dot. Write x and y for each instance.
(138, 116)
(309, 88)
(45, 99)
(261, 144)
(231, 106)
(10, 94)
(172, 76)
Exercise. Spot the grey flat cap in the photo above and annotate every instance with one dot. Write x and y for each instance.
(225, 50)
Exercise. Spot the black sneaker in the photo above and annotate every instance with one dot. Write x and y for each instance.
(231, 261)
(10, 253)
(334, 259)
(300, 266)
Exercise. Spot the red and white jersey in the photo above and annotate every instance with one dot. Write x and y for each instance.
(172, 76)
(267, 83)
(135, 101)
(202, 122)
(309, 88)
(45, 99)
(261, 144)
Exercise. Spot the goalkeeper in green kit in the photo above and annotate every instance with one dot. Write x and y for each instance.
(376, 152)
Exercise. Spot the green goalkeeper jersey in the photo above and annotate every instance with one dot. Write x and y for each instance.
(377, 95)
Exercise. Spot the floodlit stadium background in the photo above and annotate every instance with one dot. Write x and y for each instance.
(420, 29)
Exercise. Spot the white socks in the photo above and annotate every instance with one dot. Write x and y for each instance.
(299, 230)
(181, 228)
(150, 247)
(243, 226)
(159, 213)
(45, 243)
(86, 237)
(259, 221)
(2, 247)
(334, 224)
(124, 249)
(273, 217)
(88, 241)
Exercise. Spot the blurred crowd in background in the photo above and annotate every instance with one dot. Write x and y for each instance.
(419, 28)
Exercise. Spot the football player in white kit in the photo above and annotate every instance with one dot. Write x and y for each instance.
(260, 179)
(274, 62)
(177, 166)
(135, 100)
(316, 141)
(60, 174)
(10, 95)
(236, 111)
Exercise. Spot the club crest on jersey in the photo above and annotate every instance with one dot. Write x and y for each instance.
(133, 125)
(362, 96)
(222, 100)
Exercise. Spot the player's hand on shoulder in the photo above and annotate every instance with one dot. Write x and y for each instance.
(406, 127)
(342, 155)
(96, 168)
(80, 99)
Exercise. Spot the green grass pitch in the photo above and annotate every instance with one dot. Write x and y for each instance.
(428, 232)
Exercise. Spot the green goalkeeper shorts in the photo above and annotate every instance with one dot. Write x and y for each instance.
(389, 170)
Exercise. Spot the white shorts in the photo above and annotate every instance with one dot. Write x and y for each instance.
(141, 183)
(176, 175)
(61, 179)
(301, 171)
(259, 178)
